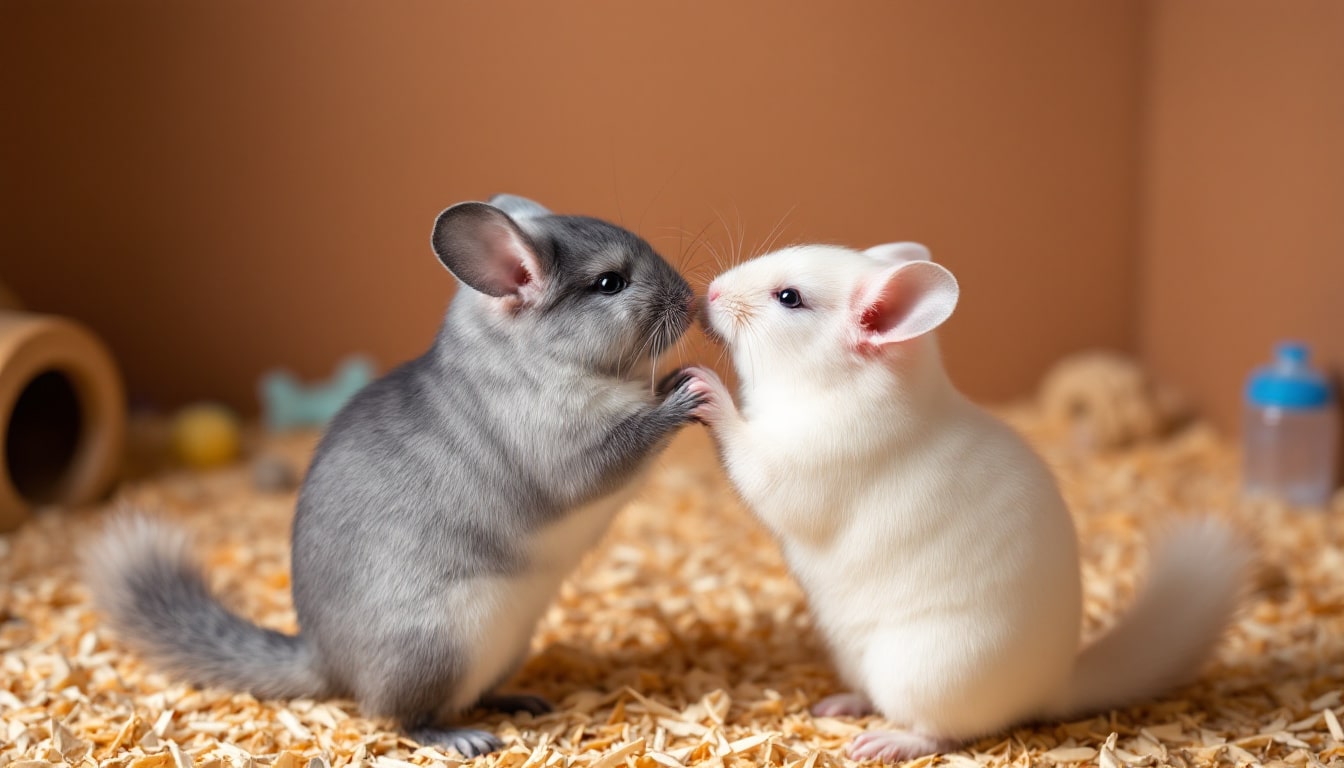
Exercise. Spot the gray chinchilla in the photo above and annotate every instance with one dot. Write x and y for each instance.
(449, 499)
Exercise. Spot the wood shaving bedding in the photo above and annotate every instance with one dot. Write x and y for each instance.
(681, 641)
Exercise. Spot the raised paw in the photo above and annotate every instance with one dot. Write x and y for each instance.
(894, 746)
(713, 395)
(671, 382)
(843, 705)
(513, 703)
(469, 742)
(680, 402)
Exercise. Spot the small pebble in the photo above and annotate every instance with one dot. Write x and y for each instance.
(272, 474)
(206, 435)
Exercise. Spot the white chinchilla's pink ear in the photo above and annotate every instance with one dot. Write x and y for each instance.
(486, 250)
(898, 252)
(905, 301)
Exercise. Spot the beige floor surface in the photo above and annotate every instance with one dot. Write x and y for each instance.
(681, 641)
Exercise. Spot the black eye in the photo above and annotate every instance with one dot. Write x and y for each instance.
(609, 283)
(790, 297)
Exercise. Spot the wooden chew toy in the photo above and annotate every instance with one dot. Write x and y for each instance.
(62, 415)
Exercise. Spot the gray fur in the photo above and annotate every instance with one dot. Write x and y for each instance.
(144, 577)
(519, 208)
(435, 482)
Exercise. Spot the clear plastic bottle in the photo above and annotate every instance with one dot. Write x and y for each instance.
(1291, 430)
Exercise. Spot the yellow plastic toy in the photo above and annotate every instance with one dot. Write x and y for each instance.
(206, 435)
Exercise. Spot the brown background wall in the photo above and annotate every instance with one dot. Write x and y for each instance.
(222, 189)
(1243, 192)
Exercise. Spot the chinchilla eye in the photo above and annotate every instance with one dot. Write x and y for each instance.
(609, 283)
(790, 297)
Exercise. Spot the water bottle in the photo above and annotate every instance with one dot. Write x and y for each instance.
(1291, 430)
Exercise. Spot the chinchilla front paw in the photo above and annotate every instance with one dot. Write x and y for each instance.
(714, 397)
(671, 381)
(683, 395)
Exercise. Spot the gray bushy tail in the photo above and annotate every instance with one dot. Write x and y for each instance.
(143, 575)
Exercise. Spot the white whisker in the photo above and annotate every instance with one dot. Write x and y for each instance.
(775, 232)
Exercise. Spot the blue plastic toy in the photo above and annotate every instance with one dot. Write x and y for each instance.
(288, 404)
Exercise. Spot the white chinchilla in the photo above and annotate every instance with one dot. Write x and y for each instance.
(935, 548)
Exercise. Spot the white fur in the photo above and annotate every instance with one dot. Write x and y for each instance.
(894, 252)
(505, 611)
(937, 553)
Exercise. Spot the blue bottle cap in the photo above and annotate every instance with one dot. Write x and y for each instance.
(1289, 382)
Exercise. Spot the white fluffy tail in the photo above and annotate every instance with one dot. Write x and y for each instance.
(1198, 573)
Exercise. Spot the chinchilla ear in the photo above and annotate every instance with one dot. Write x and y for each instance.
(487, 251)
(519, 207)
(905, 301)
(894, 253)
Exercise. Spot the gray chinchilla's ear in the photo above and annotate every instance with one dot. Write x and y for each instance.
(485, 249)
(519, 207)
